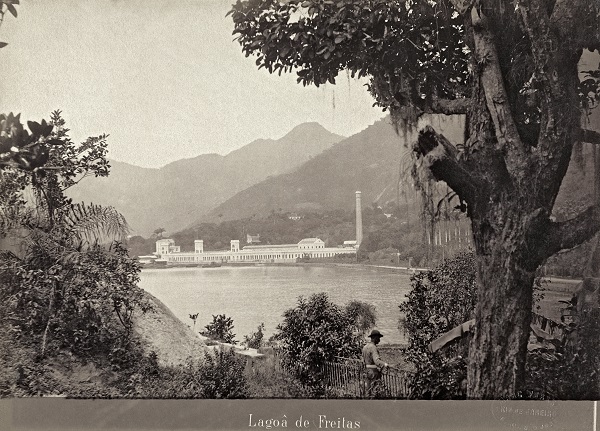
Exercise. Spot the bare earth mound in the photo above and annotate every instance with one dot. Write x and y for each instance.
(160, 331)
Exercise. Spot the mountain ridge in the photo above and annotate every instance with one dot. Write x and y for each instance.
(171, 196)
(367, 161)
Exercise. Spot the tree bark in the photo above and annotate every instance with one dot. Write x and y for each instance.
(505, 276)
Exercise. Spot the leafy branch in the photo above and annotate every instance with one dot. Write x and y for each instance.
(7, 6)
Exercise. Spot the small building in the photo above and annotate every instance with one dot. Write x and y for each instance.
(252, 239)
(311, 243)
(166, 246)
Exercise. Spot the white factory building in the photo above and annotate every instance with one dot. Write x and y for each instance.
(312, 248)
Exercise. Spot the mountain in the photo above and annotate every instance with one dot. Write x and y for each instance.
(368, 161)
(180, 192)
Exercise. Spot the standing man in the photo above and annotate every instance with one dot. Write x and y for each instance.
(373, 362)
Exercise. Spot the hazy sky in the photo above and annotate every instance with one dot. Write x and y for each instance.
(163, 78)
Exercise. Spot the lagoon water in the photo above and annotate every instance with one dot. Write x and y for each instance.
(254, 294)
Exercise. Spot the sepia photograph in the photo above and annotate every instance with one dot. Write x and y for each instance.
(324, 214)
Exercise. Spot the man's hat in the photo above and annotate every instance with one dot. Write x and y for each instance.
(375, 333)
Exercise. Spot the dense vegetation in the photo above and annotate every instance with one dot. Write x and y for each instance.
(441, 299)
(67, 283)
(315, 331)
(68, 290)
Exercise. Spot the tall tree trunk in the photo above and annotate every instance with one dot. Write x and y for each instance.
(505, 277)
(511, 165)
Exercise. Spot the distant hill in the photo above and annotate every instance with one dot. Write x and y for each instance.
(173, 196)
(368, 161)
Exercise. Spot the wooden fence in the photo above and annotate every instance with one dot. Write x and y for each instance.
(551, 329)
(556, 329)
(344, 378)
(348, 379)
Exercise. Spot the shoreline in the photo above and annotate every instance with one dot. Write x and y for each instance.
(403, 269)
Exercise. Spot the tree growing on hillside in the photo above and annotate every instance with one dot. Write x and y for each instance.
(511, 69)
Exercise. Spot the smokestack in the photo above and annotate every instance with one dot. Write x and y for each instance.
(359, 232)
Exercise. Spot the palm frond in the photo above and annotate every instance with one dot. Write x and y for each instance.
(93, 223)
(7, 256)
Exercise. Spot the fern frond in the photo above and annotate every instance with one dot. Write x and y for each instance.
(91, 223)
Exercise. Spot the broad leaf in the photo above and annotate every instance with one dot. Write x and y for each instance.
(11, 9)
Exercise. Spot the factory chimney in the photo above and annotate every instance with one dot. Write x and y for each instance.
(359, 232)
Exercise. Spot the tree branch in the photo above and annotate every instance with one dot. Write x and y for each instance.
(590, 136)
(570, 233)
(440, 157)
(437, 105)
(497, 103)
(450, 107)
(555, 59)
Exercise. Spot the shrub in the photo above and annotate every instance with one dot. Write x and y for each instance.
(84, 304)
(222, 375)
(440, 299)
(568, 371)
(363, 316)
(313, 332)
(219, 375)
(255, 340)
(220, 329)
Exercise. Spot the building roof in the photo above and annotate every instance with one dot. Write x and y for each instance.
(260, 247)
(310, 240)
